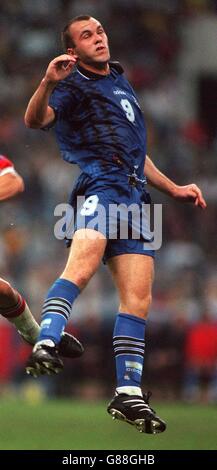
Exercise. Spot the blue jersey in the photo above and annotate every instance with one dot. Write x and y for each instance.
(99, 124)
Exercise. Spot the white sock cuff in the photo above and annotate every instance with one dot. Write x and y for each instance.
(129, 390)
(46, 342)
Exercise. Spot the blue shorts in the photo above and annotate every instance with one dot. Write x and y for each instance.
(123, 247)
(114, 208)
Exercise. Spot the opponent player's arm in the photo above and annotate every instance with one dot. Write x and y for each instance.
(158, 180)
(10, 184)
(39, 113)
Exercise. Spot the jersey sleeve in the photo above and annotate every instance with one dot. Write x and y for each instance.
(63, 100)
(6, 166)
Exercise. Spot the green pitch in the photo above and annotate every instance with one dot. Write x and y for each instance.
(70, 425)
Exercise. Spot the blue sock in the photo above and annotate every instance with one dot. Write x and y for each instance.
(129, 347)
(57, 308)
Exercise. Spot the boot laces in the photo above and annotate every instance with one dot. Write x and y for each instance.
(146, 397)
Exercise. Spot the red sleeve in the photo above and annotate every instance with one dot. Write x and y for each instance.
(5, 163)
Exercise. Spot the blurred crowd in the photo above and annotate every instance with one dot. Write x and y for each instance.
(182, 330)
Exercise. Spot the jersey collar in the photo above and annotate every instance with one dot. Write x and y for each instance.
(96, 76)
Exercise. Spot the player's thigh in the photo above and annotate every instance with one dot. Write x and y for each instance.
(86, 252)
(133, 275)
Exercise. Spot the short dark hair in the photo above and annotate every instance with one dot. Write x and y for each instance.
(66, 38)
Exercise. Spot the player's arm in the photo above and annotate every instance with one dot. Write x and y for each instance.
(158, 180)
(10, 184)
(38, 113)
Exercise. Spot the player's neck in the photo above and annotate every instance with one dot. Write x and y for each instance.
(100, 69)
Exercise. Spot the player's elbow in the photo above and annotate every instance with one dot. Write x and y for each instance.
(16, 186)
(20, 184)
(34, 120)
(27, 123)
(30, 121)
(31, 124)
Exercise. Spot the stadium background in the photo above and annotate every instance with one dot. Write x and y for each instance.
(168, 50)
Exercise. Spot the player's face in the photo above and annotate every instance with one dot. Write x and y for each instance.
(91, 42)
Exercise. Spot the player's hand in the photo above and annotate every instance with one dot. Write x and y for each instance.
(190, 193)
(60, 67)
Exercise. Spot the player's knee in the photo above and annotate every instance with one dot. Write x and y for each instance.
(81, 271)
(142, 302)
(79, 277)
(137, 305)
(7, 294)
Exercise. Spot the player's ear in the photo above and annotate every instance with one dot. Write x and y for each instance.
(71, 51)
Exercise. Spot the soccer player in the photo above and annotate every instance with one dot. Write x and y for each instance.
(99, 125)
(12, 305)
